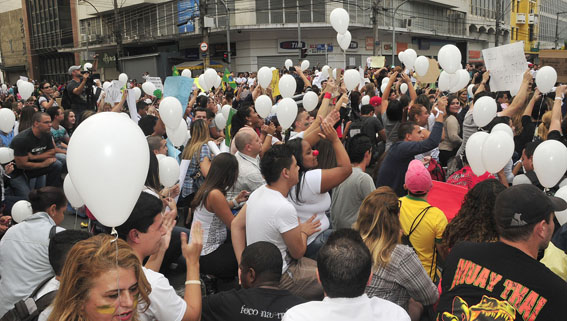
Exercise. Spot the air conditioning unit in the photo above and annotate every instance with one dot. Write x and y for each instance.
(520, 18)
(532, 18)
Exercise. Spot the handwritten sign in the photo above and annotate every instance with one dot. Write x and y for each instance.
(157, 82)
(376, 61)
(113, 93)
(507, 65)
(432, 73)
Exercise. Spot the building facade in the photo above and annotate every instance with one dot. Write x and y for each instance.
(524, 24)
(13, 49)
(549, 23)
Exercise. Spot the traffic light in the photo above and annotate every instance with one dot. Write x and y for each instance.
(225, 57)
(303, 53)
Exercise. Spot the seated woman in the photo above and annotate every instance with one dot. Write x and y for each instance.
(102, 279)
(310, 196)
(213, 211)
(397, 274)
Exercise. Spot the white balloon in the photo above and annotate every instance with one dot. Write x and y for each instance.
(402, 56)
(25, 89)
(160, 156)
(339, 20)
(410, 57)
(365, 100)
(274, 110)
(4, 87)
(108, 161)
(203, 83)
(123, 78)
(497, 151)
(310, 100)
(503, 128)
(218, 82)
(106, 84)
(421, 65)
(168, 171)
(6, 155)
(550, 162)
(264, 77)
(71, 193)
(186, 73)
(484, 111)
(225, 110)
(21, 210)
(385, 80)
(325, 71)
(287, 86)
(220, 121)
(446, 80)
(286, 112)
(463, 79)
(170, 111)
(273, 68)
(87, 66)
(470, 89)
(344, 40)
(178, 136)
(149, 88)
(351, 79)
(561, 215)
(7, 120)
(473, 150)
(263, 105)
(210, 77)
(19, 82)
(304, 65)
(546, 78)
(450, 58)
(137, 93)
(403, 88)
(335, 73)
(288, 63)
(383, 87)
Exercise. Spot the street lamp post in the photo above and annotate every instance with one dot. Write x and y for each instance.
(394, 29)
(557, 28)
(227, 34)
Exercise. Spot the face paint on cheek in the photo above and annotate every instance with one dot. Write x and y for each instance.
(106, 309)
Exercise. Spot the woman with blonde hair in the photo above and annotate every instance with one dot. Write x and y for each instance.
(543, 128)
(102, 279)
(397, 274)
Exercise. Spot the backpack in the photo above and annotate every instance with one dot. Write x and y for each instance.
(65, 99)
(29, 309)
(355, 128)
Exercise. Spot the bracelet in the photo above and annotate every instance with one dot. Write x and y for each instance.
(328, 95)
(189, 282)
(558, 98)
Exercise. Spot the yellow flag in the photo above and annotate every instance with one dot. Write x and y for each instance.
(274, 83)
(197, 84)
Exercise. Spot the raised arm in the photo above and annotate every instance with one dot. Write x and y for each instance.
(192, 253)
(520, 98)
(556, 111)
(411, 88)
(331, 178)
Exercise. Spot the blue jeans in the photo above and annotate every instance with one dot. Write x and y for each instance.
(314, 247)
(22, 185)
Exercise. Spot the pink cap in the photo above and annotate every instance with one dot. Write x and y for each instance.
(418, 179)
(375, 101)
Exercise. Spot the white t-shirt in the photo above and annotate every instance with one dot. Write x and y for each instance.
(51, 285)
(311, 201)
(359, 308)
(165, 303)
(214, 230)
(268, 215)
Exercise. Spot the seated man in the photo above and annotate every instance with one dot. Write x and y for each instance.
(269, 216)
(344, 267)
(423, 225)
(146, 231)
(503, 280)
(34, 155)
(261, 297)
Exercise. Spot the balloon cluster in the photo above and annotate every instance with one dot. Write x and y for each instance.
(490, 152)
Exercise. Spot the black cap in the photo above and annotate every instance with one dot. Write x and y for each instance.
(525, 204)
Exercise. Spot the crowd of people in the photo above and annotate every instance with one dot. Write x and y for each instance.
(328, 219)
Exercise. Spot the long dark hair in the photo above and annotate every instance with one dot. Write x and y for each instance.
(26, 118)
(297, 150)
(222, 176)
(475, 221)
(239, 119)
(152, 179)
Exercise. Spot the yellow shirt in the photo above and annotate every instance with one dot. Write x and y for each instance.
(428, 232)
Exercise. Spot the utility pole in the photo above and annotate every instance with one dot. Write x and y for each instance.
(375, 25)
(204, 31)
(299, 44)
(227, 34)
(117, 36)
(498, 12)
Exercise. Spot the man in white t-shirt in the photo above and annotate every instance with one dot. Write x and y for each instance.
(344, 268)
(147, 231)
(269, 216)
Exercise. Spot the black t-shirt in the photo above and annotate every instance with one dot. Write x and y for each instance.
(26, 142)
(77, 101)
(248, 304)
(369, 126)
(495, 281)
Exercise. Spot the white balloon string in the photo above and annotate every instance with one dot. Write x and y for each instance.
(115, 234)
(539, 111)
(76, 214)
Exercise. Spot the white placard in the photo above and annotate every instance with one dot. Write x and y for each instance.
(183, 167)
(157, 82)
(132, 105)
(507, 65)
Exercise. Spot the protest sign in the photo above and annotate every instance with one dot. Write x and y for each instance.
(178, 87)
(507, 65)
(432, 73)
(556, 59)
(113, 93)
(376, 61)
(157, 82)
